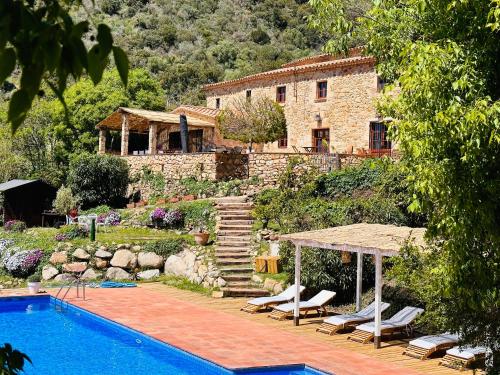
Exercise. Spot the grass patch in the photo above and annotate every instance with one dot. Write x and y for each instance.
(184, 284)
(281, 277)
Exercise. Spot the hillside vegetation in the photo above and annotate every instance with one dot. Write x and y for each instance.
(188, 43)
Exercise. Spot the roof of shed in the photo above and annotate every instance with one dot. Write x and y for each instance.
(366, 238)
(12, 184)
(140, 118)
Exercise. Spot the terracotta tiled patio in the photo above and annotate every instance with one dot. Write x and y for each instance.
(216, 330)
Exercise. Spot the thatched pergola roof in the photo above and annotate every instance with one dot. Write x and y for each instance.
(365, 238)
(139, 119)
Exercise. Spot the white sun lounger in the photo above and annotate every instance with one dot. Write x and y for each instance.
(423, 347)
(398, 323)
(337, 322)
(256, 304)
(316, 303)
(461, 357)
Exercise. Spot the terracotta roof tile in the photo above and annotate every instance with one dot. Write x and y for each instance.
(301, 68)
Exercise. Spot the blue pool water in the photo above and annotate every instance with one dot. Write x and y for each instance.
(77, 342)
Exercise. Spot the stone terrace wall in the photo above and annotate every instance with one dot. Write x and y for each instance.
(176, 166)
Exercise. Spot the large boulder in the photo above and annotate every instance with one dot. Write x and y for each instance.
(148, 274)
(81, 254)
(90, 274)
(59, 257)
(136, 248)
(64, 277)
(103, 254)
(100, 263)
(181, 264)
(49, 272)
(269, 284)
(115, 273)
(75, 267)
(124, 259)
(150, 260)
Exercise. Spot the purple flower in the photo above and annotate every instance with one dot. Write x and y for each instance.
(101, 218)
(158, 214)
(112, 218)
(61, 237)
(22, 263)
(173, 217)
(15, 226)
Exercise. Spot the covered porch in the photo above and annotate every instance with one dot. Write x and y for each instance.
(377, 240)
(130, 131)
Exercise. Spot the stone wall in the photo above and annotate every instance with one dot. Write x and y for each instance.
(176, 166)
(266, 166)
(347, 110)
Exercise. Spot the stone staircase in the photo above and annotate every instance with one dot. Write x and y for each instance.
(233, 247)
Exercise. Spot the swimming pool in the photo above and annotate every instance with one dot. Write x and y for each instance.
(75, 342)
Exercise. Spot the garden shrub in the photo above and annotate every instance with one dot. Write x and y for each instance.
(169, 218)
(323, 269)
(98, 179)
(22, 263)
(345, 182)
(200, 213)
(15, 226)
(165, 248)
(70, 232)
(109, 218)
(99, 210)
(154, 180)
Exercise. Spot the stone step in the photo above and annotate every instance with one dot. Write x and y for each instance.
(241, 284)
(223, 237)
(235, 213)
(235, 227)
(235, 250)
(234, 206)
(243, 277)
(244, 292)
(234, 232)
(239, 262)
(226, 222)
(235, 199)
(233, 242)
(236, 269)
(233, 254)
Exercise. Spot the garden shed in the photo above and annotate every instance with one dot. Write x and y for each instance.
(26, 200)
(377, 240)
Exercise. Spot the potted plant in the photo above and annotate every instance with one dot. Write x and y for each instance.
(201, 236)
(34, 282)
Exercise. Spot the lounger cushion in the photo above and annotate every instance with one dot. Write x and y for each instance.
(317, 301)
(364, 314)
(286, 295)
(399, 320)
(432, 341)
(466, 352)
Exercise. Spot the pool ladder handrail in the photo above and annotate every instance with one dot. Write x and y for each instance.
(77, 281)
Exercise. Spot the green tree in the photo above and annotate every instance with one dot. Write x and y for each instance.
(98, 179)
(259, 120)
(444, 56)
(42, 39)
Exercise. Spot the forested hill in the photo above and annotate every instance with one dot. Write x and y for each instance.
(186, 43)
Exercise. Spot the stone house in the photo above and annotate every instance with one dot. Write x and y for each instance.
(329, 103)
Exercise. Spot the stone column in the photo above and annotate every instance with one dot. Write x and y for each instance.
(102, 140)
(153, 137)
(125, 134)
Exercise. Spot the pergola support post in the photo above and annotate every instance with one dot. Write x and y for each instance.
(378, 298)
(296, 310)
(125, 135)
(102, 140)
(359, 280)
(153, 136)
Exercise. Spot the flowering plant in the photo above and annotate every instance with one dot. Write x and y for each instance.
(15, 226)
(158, 214)
(61, 237)
(173, 217)
(70, 232)
(4, 244)
(101, 218)
(22, 263)
(112, 218)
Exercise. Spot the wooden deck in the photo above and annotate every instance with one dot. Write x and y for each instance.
(391, 351)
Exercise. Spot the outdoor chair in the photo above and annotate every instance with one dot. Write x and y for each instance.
(461, 358)
(317, 303)
(339, 322)
(256, 304)
(425, 346)
(401, 322)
